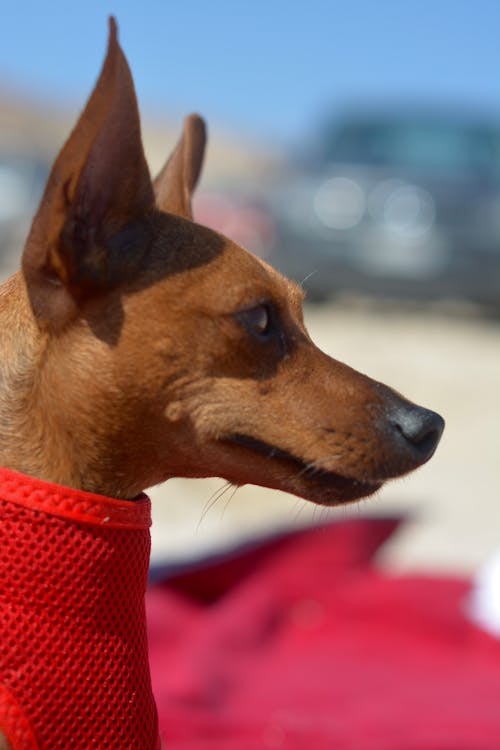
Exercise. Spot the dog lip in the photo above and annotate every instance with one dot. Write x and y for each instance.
(348, 488)
(265, 449)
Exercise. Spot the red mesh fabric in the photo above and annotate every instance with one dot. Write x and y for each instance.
(73, 659)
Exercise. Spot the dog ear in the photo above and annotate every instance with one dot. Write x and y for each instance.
(177, 180)
(90, 223)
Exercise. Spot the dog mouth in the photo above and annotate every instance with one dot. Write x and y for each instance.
(319, 485)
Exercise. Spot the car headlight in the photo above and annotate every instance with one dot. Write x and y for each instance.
(340, 203)
(403, 209)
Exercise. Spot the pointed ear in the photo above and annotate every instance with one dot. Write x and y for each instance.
(90, 222)
(177, 180)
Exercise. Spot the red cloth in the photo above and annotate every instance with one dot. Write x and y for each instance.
(303, 645)
(73, 659)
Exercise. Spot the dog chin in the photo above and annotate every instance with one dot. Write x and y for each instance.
(327, 491)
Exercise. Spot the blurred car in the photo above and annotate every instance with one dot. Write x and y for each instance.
(22, 177)
(395, 205)
(392, 205)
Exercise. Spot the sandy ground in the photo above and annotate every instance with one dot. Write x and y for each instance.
(446, 359)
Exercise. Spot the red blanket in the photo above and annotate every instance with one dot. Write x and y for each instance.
(302, 644)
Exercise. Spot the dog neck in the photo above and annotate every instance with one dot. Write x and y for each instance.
(45, 393)
(22, 348)
(75, 578)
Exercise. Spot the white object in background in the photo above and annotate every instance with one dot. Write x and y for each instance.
(484, 602)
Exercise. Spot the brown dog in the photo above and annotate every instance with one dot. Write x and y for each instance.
(138, 345)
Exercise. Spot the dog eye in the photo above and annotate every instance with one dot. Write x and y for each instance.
(256, 320)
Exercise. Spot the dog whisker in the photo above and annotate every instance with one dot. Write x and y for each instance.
(228, 500)
(212, 501)
(313, 273)
(299, 509)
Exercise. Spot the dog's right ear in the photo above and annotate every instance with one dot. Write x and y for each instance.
(88, 233)
(177, 180)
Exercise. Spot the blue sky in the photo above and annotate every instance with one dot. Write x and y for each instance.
(269, 68)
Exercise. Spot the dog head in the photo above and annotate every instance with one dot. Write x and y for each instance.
(171, 351)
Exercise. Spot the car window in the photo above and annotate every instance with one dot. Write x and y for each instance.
(415, 145)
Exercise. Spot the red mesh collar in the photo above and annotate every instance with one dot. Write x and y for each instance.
(73, 664)
(72, 504)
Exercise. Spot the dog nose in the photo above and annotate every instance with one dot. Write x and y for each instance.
(420, 428)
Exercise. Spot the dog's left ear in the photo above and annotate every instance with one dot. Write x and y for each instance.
(177, 180)
(89, 232)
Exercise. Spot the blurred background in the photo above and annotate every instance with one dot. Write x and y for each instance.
(356, 146)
